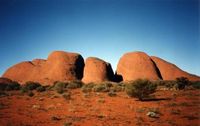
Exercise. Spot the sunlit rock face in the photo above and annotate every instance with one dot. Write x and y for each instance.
(66, 66)
(135, 65)
(97, 70)
(59, 66)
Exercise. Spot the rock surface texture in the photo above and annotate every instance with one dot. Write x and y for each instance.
(59, 66)
(135, 65)
(97, 70)
(170, 71)
(66, 66)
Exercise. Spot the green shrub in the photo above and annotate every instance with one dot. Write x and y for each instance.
(140, 88)
(3, 87)
(60, 87)
(40, 89)
(112, 93)
(74, 84)
(10, 86)
(166, 84)
(30, 85)
(118, 87)
(170, 84)
(181, 83)
(196, 84)
(160, 83)
(30, 93)
(23, 89)
(87, 87)
(13, 86)
(49, 87)
(60, 90)
(101, 88)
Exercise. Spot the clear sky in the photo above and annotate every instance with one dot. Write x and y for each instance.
(106, 29)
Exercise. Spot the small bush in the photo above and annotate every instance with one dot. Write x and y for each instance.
(166, 84)
(112, 93)
(160, 82)
(23, 90)
(31, 85)
(30, 93)
(60, 87)
(140, 88)
(170, 84)
(40, 89)
(182, 82)
(13, 86)
(10, 86)
(87, 87)
(196, 84)
(49, 88)
(3, 87)
(101, 88)
(60, 90)
(74, 84)
(118, 87)
(67, 96)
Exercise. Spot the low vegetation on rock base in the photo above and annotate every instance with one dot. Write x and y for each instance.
(140, 89)
(10, 86)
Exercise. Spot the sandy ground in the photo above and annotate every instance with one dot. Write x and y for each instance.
(173, 108)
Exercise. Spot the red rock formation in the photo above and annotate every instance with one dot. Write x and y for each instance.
(60, 66)
(65, 66)
(97, 70)
(20, 72)
(136, 65)
(170, 71)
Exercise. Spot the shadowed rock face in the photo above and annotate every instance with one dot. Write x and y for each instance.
(135, 65)
(97, 70)
(60, 66)
(170, 71)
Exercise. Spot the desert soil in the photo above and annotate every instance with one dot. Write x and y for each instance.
(173, 108)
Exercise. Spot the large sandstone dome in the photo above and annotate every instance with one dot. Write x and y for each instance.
(135, 65)
(66, 66)
(60, 66)
(170, 71)
(97, 70)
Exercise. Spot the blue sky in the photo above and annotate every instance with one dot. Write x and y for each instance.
(106, 29)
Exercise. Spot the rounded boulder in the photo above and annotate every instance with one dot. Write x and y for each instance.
(136, 65)
(97, 70)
